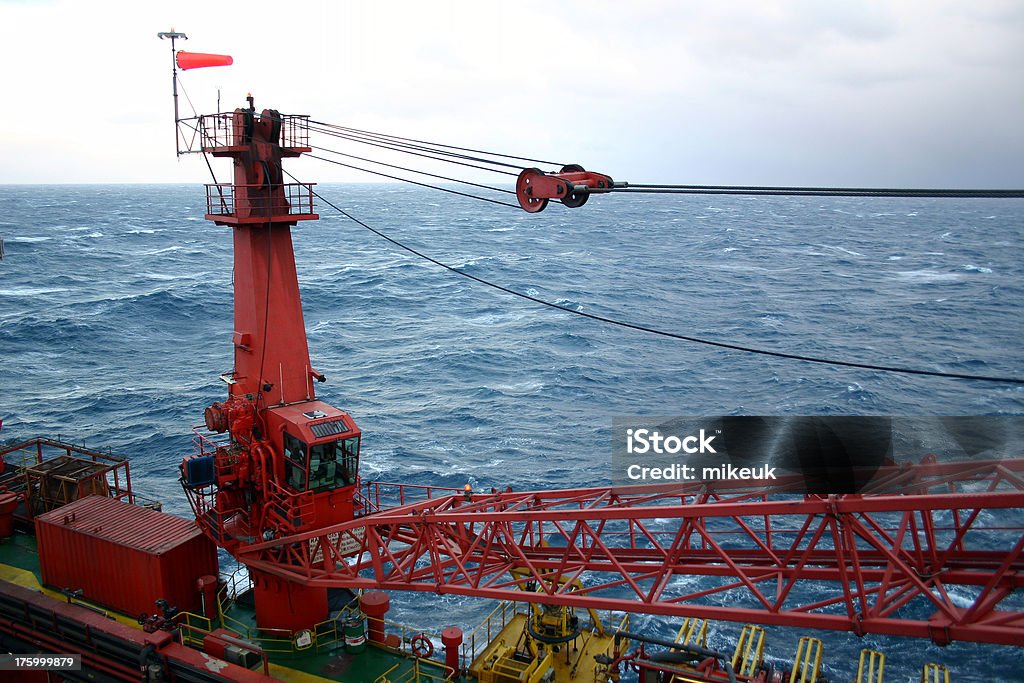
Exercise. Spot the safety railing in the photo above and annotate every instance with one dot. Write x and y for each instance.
(234, 585)
(326, 634)
(383, 494)
(295, 131)
(419, 672)
(291, 511)
(364, 505)
(416, 643)
(222, 199)
(194, 628)
(413, 642)
(477, 640)
(285, 510)
(213, 520)
(218, 131)
(207, 444)
(52, 472)
(871, 667)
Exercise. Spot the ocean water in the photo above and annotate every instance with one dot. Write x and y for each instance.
(115, 321)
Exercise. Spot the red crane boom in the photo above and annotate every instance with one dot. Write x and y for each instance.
(939, 559)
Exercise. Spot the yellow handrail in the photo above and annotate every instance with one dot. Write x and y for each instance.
(871, 667)
(749, 650)
(807, 662)
(934, 673)
(694, 631)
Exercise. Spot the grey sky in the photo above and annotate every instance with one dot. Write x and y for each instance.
(915, 93)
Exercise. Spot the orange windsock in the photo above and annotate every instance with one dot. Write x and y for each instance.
(196, 60)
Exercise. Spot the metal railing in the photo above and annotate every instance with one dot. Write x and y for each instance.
(223, 199)
(217, 131)
(27, 473)
(489, 628)
(383, 494)
(330, 633)
(325, 635)
(415, 673)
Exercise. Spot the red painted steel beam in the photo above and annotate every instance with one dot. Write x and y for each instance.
(938, 566)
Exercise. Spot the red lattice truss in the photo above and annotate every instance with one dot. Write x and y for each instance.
(933, 551)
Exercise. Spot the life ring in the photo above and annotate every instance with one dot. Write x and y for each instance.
(421, 646)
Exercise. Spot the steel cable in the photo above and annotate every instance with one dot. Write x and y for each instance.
(817, 191)
(428, 156)
(412, 170)
(405, 148)
(438, 144)
(663, 333)
(414, 182)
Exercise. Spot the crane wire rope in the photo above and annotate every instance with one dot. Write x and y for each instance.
(434, 155)
(663, 333)
(436, 144)
(756, 190)
(647, 188)
(412, 170)
(407, 180)
(453, 154)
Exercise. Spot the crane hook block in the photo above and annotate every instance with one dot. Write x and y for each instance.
(572, 186)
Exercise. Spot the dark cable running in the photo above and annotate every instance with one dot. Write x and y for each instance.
(672, 335)
(412, 170)
(437, 151)
(406, 180)
(435, 155)
(438, 154)
(817, 191)
(438, 144)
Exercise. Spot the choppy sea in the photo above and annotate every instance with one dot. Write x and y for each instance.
(115, 322)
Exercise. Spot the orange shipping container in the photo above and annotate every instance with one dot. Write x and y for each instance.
(123, 556)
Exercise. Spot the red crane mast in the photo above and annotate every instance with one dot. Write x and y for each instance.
(289, 462)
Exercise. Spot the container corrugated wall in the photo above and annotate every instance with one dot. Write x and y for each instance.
(123, 556)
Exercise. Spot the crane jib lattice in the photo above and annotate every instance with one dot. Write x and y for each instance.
(934, 552)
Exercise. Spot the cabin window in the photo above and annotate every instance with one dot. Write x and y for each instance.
(333, 464)
(294, 462)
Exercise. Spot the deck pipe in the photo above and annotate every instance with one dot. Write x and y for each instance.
(694, 649)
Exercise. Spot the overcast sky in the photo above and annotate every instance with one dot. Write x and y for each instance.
(916, 93)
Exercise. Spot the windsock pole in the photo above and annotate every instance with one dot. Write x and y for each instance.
(174, 35)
